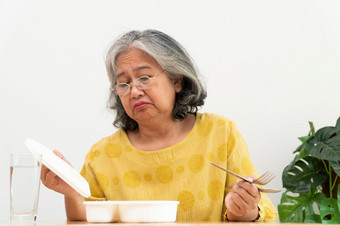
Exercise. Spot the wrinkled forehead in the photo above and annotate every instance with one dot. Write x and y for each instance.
(134, 60)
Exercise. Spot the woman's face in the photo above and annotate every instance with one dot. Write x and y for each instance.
(158, 100)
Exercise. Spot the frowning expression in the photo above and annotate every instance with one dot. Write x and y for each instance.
(155, 101)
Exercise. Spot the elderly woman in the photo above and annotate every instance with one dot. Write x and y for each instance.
(163, 148)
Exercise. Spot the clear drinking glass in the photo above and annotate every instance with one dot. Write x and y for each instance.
(24, 187)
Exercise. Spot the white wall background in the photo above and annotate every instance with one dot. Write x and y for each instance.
(271, 66)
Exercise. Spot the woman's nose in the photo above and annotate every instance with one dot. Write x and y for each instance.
(136, 92)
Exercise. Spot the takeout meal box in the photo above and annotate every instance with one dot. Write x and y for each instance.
(131, 211)
(101, 211)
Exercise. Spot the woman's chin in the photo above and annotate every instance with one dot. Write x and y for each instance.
(143, 116)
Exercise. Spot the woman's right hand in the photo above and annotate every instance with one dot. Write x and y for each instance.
(75, 210)
(53, 182)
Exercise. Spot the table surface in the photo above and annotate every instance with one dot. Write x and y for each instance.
(83, 223)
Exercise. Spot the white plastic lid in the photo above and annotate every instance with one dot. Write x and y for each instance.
(60, 167)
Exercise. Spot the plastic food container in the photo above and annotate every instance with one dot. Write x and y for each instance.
(148, 211)
(131, 211)
(101, 211)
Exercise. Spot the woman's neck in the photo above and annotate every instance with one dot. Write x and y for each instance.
(159, 135)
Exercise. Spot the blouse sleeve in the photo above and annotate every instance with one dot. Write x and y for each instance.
(87, 172)
(239, 162)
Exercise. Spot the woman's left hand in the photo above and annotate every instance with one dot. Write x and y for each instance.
(241, 202)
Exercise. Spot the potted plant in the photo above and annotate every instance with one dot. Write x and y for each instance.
(311, 180)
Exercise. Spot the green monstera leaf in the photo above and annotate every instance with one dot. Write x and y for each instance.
(325, 144)
(301, 149)
(302, 175)
(329, 210)
(336, 166)
(337, 125)
(316, 159)
(299, 208)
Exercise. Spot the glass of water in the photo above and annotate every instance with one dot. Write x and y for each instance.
(24, 187)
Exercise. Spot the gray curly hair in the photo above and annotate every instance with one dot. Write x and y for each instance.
(172, 58)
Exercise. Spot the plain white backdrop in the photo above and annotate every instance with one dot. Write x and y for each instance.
(270, 66)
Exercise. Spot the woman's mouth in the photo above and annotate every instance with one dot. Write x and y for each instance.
(141, 104)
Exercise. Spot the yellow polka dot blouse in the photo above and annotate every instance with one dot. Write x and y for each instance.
(116, 170)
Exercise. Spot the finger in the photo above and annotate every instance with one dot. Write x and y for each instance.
(231, 206)
(249, 201)
(251, 178)
(254, 191)
(234, 210)
(56, 152)
(51, 180)
(44, 171)
(250, 188)
(242, 199)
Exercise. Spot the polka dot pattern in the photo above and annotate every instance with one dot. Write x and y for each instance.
(118, 171)
(196, 163)
(131, 179)
(113, 150)
(222, 152)
(147, 177)
(94, 154)
(232, 144)
(164, 174)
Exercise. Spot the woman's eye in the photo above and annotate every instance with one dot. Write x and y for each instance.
(122, 85)
(144, 78)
